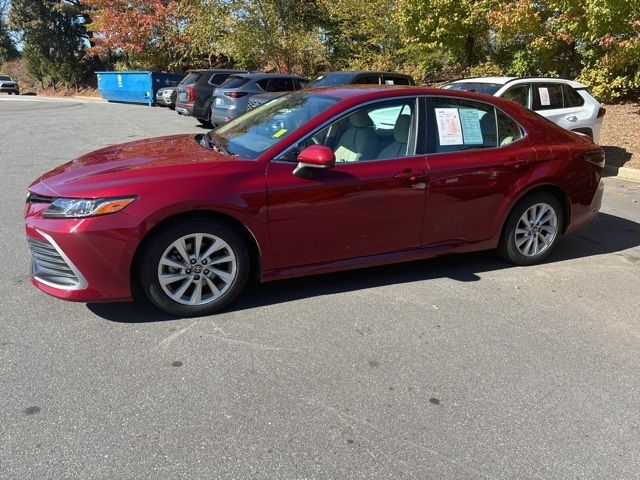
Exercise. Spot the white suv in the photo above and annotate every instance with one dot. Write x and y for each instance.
(564, 102)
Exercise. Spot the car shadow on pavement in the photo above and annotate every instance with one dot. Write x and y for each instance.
(608, 234)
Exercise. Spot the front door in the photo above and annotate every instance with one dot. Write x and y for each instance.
(371, 202)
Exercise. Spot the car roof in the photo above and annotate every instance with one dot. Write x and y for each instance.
(505, 80)
(362, 72)
(260, 75)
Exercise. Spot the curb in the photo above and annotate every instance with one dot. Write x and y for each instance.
(622, 172)
(92, 99)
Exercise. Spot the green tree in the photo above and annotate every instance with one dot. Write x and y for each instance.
(459, 28)
(52, 32)
(8, 50)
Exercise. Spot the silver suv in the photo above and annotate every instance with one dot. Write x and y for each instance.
(231, 98)
(9, 85)
(564, 102)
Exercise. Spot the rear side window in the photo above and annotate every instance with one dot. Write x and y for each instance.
(192, 77)
(518, 94)
(456, 125)
(281, 85)
(547, 96)
(234, 81)
(217, 78)
(571, 97)
(508, 130)
(368, 80)
(263, 84)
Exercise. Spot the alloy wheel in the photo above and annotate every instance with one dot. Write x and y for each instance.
(536, 230)
(197, 269)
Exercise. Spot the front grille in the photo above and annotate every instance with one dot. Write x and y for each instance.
(35, 198)
(48, 266)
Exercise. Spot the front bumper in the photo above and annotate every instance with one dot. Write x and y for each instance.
(98, 251)
(4, 88)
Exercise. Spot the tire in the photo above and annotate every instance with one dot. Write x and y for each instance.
(230, 259)
(205, 123)
(527, 245)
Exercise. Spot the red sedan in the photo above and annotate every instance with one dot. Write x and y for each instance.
(313, 182)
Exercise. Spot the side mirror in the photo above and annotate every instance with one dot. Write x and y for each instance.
(315, 156)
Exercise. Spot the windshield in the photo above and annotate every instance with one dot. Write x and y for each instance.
(4, 77)
(330, 80)
(486, 88)
(254, 132)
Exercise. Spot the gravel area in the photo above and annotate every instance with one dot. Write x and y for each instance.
(620, 135)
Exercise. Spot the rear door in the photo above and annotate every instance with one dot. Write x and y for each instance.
(476, 157)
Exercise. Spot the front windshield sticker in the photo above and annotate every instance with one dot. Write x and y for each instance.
(279, 133)
(471, 125)
(449, 128)
(544, 96)
(345, 155)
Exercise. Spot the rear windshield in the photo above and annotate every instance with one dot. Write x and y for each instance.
(4, 77)
(331, 80)
(234, 81)
(486, 88)
(190, 78)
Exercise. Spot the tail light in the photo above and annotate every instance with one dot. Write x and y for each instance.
(601, 112)
(595, 157)
(235, 94)
(191, 94)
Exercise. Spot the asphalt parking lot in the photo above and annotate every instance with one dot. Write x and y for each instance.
(461, 367)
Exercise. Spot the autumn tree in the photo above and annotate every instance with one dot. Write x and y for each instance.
(149, 33)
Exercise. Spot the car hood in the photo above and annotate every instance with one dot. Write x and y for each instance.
(116, 170)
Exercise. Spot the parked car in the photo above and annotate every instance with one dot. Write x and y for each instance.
(9, 85)
(195, 92)
(564, 102)
(166, 97)
(332, 79)
(232, 97)
(313, 182)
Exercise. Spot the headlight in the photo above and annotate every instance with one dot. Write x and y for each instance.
(81, 208)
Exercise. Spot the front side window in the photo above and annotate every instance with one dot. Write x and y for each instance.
(368, 80)
(547, 96)
(379, 131)
(455, 125)
(392, 80)
(518, 94)
(259, 129)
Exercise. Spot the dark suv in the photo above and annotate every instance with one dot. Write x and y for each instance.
(332, 79)
(195, 92)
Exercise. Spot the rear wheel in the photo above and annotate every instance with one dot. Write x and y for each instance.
(194, 268)
(532, 229)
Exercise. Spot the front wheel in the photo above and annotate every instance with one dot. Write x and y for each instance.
(194, 268)
(532, 229)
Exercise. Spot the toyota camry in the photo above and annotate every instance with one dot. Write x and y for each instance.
(316, 181)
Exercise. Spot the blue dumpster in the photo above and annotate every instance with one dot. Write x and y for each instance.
(134, 86)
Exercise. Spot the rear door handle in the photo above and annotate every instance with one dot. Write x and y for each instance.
(571, 118)
(514, 163)
(410, 175)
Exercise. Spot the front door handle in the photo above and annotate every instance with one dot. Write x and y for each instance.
(516, 163)
(410, 175)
